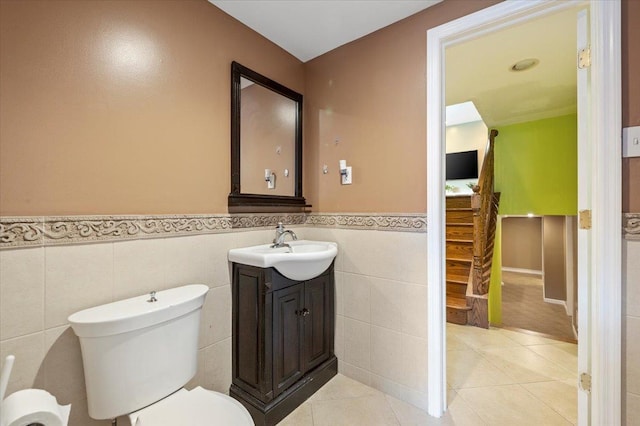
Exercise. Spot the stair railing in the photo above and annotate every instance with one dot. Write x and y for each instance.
(484, 203)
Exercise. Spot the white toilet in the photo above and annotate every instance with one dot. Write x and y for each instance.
(138, 353)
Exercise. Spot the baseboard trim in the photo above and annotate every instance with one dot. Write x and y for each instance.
(522, 270)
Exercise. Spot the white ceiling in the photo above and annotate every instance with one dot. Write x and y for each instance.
(479, 71)
(309, 28)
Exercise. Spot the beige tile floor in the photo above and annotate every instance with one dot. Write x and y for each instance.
(495, 377)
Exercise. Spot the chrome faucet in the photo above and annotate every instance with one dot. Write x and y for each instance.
(281, 233)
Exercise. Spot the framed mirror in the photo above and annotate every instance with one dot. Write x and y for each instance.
(266, 143)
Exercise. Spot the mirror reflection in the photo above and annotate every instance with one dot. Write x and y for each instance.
(267, 141)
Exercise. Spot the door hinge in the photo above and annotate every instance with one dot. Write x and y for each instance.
(585, 219)
(585, 382)
(584, 58)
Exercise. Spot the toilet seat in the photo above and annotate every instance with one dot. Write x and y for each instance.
(198, 407)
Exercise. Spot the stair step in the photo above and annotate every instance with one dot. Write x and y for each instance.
(457, 310)
(458, 303)
(462, 215)
(459, 259)
(457, 278)
(459, 240)
(459, 201)
(459, 231)
(459, 250)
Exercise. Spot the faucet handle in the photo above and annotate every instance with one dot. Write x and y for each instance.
(280, 226)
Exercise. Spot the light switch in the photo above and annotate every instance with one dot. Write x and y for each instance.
(631, 142)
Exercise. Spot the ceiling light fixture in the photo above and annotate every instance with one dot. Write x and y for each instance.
(525, 64)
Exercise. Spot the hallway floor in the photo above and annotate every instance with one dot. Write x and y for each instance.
(523, 306)
(495, 377)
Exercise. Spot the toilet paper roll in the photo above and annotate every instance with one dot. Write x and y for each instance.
(31, 406)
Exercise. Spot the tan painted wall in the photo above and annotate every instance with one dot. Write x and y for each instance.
(117, 107)
(522, 243)
(88, 126)
(371, 95)
(630, 100)
(555, 275)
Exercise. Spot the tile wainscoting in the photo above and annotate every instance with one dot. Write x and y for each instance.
(631, 320)
(52, 267)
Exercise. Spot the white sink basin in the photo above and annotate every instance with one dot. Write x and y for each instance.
(303, 260)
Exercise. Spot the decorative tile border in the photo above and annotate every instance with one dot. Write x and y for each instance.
(29, 231)
(259, 220)
(631, 226)
(370, 221)
(18, 232)
(21, 231)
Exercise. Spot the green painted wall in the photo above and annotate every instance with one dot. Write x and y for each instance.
(536, 167)
(536, 171)
(495, 286)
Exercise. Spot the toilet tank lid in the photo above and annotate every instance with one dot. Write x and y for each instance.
(137, 312)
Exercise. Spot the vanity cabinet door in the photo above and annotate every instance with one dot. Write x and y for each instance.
(319, 323)
(251, 323)
(288, 336)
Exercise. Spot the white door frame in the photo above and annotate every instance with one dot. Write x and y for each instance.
(605, 257)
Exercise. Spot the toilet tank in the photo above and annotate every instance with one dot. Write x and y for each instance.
(136, 352)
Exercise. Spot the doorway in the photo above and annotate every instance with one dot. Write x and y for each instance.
(598, 247)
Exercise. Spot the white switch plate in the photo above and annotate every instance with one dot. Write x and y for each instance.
(631, 142)
(347, 179)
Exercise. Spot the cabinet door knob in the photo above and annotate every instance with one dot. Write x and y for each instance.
(303, 313)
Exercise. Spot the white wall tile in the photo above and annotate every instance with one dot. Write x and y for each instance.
(63, 368)
(76, 277)
(632, 409)
(386, 353)
(339, 292)
(387, 303)
(631, 276)
(414, 361)
(399, 391)
(28, 369)
(217, 248)
(399, 256)
(633, 355)
(220, 325)
(357, 343)
(356, 296)
(217, 366)
(356, 373)
(21, 292)
(139, 268)
(339, 337)
(188, 261)
(414, 315)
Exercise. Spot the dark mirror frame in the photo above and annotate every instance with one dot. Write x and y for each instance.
(238, 200)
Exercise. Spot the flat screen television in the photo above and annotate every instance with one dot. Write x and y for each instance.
(462, 165)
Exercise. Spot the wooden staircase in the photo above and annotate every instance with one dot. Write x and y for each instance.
(470, 232)
(459, 256)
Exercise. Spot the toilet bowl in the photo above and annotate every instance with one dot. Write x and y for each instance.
(198, 407)
(137, 352)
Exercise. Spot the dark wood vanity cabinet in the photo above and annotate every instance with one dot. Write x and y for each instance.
(283, 340)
